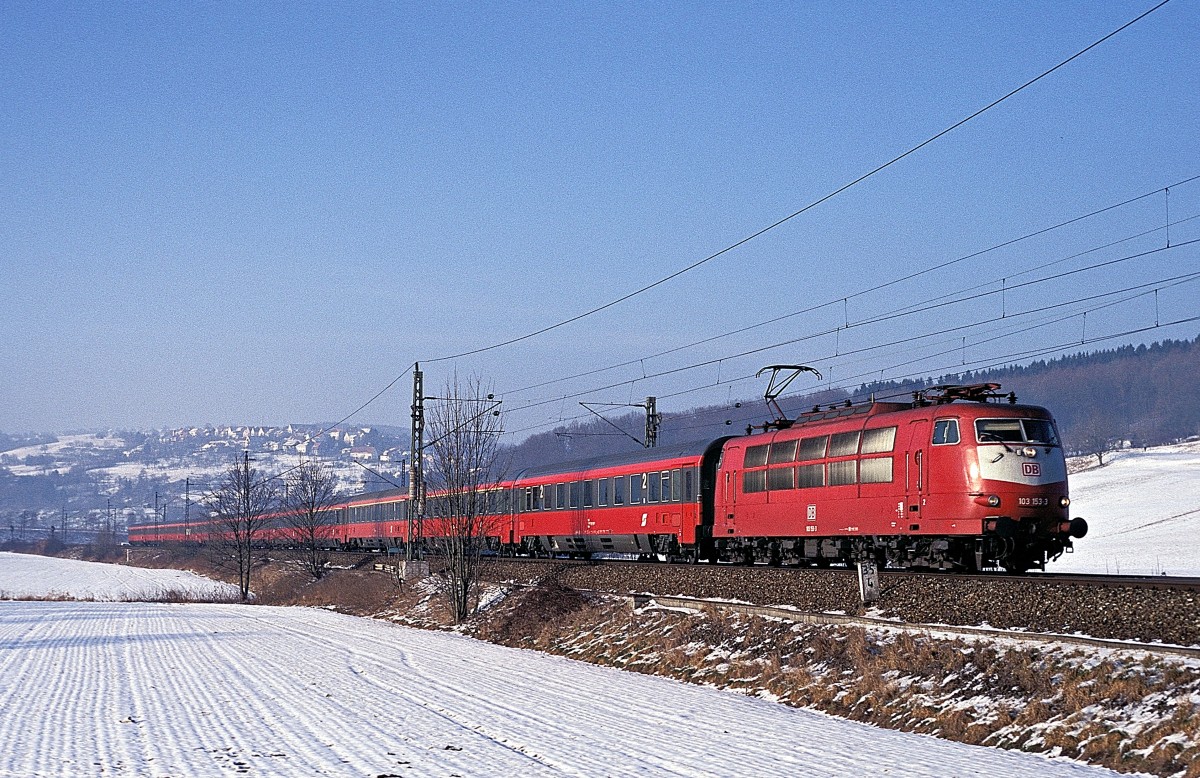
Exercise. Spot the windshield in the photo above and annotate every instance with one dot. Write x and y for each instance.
(1039, 431)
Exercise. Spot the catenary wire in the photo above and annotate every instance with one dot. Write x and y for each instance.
(811, 205)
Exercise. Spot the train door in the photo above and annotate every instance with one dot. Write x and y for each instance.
(916, 476)
(727, 488)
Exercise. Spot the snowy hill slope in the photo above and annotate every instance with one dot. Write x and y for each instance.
(24, 575)
(1143, 512)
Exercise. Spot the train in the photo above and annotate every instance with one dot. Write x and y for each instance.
(959, 478)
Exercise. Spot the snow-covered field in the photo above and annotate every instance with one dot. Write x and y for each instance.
(1143, 512)
(22, 575)
(142, 689)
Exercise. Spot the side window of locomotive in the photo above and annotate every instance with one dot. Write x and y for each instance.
(843, 444)
(808, 476)
(876, 470)
(782, 451)
(781, 478)
(813, 448)
(879, 441)
(756, 456)
(619, 490)
(842, 473)
(754, 481)
(945, 432)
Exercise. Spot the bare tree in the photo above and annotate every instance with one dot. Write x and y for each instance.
(463, 480)
(1097, 436)
(308, 500)
(242, 504)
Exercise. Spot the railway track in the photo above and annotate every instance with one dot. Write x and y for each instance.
(1145, 609)
(1037, 578)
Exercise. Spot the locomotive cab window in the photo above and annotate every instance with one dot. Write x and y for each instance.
(756, 456)
(998, 431)
(945, 432)
(1040, 431)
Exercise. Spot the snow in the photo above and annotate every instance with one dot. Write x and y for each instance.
(144, 689)
(1143, 513)
(25, 576)
(66, 443)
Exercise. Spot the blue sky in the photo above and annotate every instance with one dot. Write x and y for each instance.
(263, 213)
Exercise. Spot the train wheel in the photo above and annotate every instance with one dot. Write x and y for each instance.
(1015, 565)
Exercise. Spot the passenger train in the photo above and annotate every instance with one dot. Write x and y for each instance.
(959, 478)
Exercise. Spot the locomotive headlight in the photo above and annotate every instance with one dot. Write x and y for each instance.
(1029, 451)
(1064, 501)
(993, 501)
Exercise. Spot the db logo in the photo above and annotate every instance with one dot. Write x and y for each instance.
(1031, 468)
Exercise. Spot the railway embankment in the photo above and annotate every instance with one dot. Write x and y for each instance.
(1127, 710)
(1131, 612)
